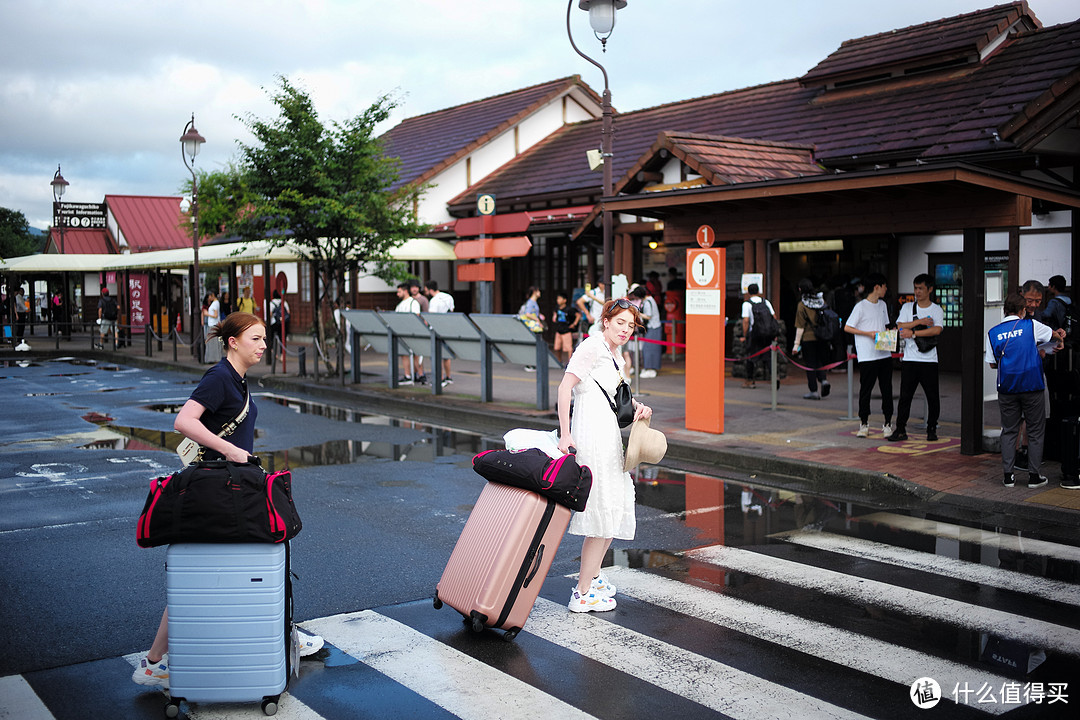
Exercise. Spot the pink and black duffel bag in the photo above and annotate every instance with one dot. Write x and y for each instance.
(562, 479)
(218, 501)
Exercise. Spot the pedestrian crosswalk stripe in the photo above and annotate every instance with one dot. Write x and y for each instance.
(289, 708)
(974, 535)
(19, 701)
(447, 677)
(1030, 631)
(1045, 588)
(866, 654)
(720, 687)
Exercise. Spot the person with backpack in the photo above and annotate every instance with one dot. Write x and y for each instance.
(759, 329)
(920, 323)
(869, 317)
(108, 312)
(279, 317)
(811, 324)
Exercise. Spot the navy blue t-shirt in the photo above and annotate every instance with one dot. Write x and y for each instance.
(222, 392)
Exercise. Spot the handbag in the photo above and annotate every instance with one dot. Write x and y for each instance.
(191, 451)
(561, 479)
(623, 403)
(219, 501)
(926, 344)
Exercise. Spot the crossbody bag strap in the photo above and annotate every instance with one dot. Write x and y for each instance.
(610, 402)
(230, 428)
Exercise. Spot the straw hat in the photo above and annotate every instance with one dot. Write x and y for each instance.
(645, 445)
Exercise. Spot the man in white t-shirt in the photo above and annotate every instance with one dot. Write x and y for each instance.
(922, 318)
(591, 305)
(869, 317)
(412, 367)
(755, 341)
(440, 302)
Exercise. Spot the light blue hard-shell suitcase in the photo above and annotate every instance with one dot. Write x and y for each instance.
(230, 623)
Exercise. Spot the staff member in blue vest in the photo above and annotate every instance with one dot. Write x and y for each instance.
(1012, 347)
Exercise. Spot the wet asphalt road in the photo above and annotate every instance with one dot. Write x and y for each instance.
(377, 531)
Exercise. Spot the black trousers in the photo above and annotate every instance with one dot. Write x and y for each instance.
(815, 354)
(880, 372)
(913, 374)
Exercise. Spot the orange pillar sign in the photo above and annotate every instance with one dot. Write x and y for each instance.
(705, 275)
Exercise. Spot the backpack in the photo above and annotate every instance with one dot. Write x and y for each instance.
(1070, 321)
(764, 327)
(827, 327)
(277, 312)
(108, 310)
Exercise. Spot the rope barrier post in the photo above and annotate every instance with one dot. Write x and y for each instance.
(354, 342)
(173, 334)
(303, 361)
(149, 340)
(773, 380)
(850, 386)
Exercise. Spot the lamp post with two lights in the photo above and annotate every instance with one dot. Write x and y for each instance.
(59, 185)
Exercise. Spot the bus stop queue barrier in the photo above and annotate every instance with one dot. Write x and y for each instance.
(482, 338)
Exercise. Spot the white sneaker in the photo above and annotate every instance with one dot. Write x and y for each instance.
(590, 603)
(148, 673)
(886, 430)
(647, 373)
(864, 431)
(602, 587)
(309, 644)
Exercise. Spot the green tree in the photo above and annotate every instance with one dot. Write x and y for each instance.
(224, 198)
(328, 189)
(15, 237)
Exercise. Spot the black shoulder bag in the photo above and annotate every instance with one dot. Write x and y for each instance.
(623, 404)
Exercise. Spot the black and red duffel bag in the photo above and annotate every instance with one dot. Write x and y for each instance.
(562, 479)
(219, 501)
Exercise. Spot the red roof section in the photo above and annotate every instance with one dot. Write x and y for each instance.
(949, 115)
(427, 144)
(727, 161)
(919, 45)
(84, 242)
(150, 223)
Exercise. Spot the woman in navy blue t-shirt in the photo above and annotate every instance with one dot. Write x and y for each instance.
(218, 400)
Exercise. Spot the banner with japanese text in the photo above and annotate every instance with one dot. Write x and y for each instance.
(139, 297)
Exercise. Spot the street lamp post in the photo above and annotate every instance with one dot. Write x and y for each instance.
(602, 21)
(59, 185)
(190, 142)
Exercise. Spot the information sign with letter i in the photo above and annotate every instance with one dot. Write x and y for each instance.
(705, 276)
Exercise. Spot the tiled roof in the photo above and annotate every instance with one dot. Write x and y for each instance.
(920, 45)
(728, 161)
(149, 223)
(952, 114)
(429, 143)
(84, 242)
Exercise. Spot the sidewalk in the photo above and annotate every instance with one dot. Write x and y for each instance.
(812, 443)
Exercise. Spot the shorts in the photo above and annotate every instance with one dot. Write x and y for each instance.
(564, 341)
(107, 326)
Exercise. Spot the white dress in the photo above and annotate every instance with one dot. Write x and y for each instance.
(609, 512)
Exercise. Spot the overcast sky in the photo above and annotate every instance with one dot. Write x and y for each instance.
(105, 87)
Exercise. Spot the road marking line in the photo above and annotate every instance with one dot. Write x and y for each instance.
(1030, 631)
(719, 687)
(973, 535)
(1003, 578)
(451, 679)
(289, 708)
(18, 701)
(842, 647)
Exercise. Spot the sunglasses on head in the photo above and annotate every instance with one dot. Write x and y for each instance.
(623, 303)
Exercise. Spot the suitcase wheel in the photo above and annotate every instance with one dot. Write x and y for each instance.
(477, 621)
(172, 709)
(510, 634)
(270, 705)
(436, 602)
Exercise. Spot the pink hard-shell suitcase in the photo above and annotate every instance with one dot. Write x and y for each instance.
(500, 561)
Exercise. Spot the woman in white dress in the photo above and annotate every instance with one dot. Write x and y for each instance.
(592, 375)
